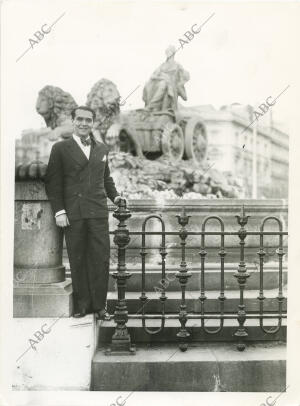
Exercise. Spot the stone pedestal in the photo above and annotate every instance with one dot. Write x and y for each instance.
(40, 286)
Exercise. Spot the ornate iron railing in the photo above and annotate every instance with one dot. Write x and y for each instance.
(121, 341)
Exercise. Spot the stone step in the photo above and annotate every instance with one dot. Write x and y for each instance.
(197, 333)
(212, 277)
(212, 303)
(210, 367)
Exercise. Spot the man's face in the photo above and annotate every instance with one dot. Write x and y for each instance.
(83, 123)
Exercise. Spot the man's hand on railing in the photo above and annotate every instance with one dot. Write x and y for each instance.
(118, 200)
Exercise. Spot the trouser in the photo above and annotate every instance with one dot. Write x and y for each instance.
(88, 247)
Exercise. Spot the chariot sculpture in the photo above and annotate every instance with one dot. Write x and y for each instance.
(161, 127)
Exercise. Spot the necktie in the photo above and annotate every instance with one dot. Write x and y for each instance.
(85, 141)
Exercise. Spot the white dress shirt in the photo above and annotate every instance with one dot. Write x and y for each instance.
(86, 149)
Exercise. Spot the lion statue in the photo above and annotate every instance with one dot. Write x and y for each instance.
(104, 99)
(110, 126)
(55, 106)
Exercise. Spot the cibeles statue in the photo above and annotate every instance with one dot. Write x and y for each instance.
(120, 131)
(166, 84)
(160, 94)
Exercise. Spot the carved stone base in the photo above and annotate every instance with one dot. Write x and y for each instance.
(121, 345)
(130, 351)
(43, 300)
(39, 275)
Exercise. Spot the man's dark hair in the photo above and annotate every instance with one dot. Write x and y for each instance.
(86, 108)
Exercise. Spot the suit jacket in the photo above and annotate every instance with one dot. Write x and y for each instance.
(76, 184)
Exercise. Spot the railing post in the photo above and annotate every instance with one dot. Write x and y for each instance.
(121, 341)
(183, 275)
(242, 276)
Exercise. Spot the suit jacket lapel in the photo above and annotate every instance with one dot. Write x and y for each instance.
(98, 151)
(76, 153)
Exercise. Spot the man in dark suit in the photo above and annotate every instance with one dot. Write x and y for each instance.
(78, 183)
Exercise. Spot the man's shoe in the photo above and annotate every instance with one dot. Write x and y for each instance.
(79, 314)
(102, 315)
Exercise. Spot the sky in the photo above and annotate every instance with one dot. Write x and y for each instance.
(245, 53)
(241, 54)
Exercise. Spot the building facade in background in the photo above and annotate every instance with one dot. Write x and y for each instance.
(231, 148)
